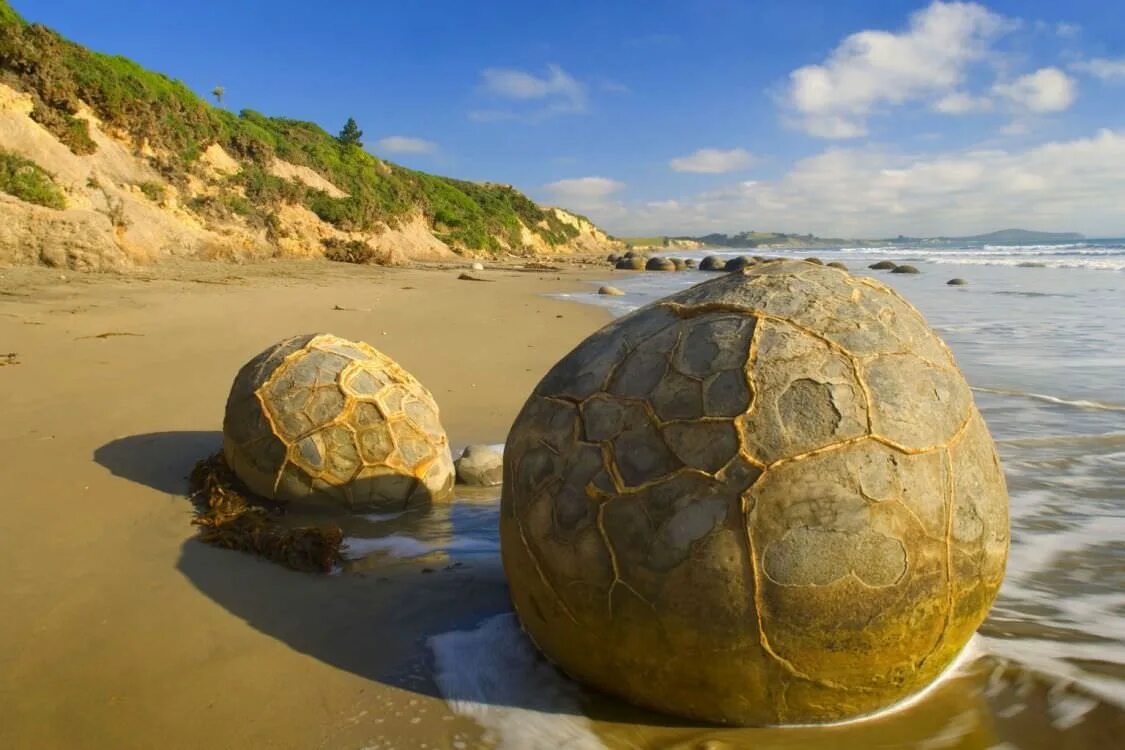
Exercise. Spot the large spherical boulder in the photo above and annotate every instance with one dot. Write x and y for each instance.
(660, 264)
(322, 421)
(712, 263)
(766, 499)
(635, 263)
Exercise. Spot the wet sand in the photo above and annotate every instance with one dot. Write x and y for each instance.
(121, 631)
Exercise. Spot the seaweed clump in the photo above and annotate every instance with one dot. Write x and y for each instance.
(230, 516)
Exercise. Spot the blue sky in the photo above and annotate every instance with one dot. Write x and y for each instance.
(856, 119)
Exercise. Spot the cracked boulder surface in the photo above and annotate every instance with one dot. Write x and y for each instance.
(321, 422)
(767, 499)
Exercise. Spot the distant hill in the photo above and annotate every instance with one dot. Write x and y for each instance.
(104, 163)
(1021, 236)
(779, 240)
(770, 240)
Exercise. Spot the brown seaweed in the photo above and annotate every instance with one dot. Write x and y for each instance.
(230, 516)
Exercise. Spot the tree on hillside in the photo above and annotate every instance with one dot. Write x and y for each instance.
(351, 134)
(218, 92)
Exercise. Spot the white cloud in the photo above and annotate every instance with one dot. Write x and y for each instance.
(1045, 90)
(713, 161)
(865, 192)
(959, 103)
(1068, 30)
(873, 68)
(585, 188)
(401, 144)
(588, 194)
(555, 93)
(1102, 67)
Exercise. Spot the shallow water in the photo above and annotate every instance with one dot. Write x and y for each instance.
(1041, 347)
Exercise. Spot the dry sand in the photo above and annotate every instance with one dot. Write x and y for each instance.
(118, 630)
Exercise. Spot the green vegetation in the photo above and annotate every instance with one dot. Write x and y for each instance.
(28, 181)
(178, 125)
(154, 191)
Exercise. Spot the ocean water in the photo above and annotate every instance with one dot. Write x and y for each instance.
(1037, 332)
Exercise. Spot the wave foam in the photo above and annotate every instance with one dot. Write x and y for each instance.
(494, 675)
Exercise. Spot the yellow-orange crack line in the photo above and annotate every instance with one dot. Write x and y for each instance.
(539, 568)
(948, 444)
(948, 561)
(691, 311)
(817, 451)
(617, 579)
(763, 639)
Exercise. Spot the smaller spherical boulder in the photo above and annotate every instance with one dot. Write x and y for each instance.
(690, 262)
(905, 269)
(884, 265)
(660, 264)
(630, 263)
(610, 291)
(679, 263)
(480, 466)
(957, 282)
(333, 424)
(738, 264)
(838, 264)
(817, 261)
(712, 263)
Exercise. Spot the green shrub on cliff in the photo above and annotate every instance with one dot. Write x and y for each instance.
(28, 181)
(179, 125)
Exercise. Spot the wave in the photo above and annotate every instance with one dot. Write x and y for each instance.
(494, 675)
(1108, 439)
(1076, 403)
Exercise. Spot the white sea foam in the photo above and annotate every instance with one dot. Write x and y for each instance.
(1079, 403)
(494, 675)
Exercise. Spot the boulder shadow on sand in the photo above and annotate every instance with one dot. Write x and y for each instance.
(160, 460)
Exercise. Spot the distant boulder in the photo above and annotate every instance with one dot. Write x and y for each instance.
(957, 282)
(837, 264)
(611, 291)
(817, 261)
(737, 264)
(905, 269)
(480, 465)
(631, 264)
(884, 265)
(712, 263)
(660, 264)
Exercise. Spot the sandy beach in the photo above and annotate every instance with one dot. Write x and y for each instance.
(123, 631)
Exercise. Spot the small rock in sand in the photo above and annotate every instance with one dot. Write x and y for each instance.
(612, 291)
(477, 266)
(480, 465)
